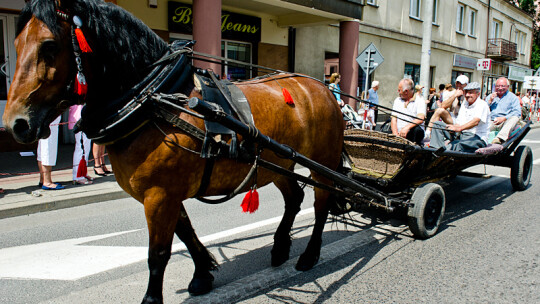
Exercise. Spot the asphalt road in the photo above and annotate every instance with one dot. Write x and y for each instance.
(487, 251)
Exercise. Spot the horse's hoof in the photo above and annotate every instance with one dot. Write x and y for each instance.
(306, 262)
(200, 286)
(280, 252)
(278, 259)
(151, 300)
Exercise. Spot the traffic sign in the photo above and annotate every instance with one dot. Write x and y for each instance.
(369, 59)
(531, 83)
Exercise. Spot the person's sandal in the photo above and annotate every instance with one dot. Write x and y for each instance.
(100, 174)
(82, 182)
(104, 167)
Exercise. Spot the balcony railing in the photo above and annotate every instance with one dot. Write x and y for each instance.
(501, 49)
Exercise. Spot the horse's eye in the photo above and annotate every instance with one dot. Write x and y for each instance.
(49, 48)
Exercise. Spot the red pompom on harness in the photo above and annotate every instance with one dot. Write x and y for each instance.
(250, 203)
(287, 96)
(80, 45)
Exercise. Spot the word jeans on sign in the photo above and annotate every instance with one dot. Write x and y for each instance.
(184, 15)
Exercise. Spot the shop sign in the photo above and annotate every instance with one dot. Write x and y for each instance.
(483, 64)
(518, 73)
(233, 26)
(464, 62)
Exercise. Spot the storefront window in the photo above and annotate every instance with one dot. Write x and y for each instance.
(412, 71)
(238, 51)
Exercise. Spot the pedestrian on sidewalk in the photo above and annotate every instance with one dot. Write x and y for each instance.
(335, 78)
(81, 152)
(99, 160)
(46, 158)
(373, 99)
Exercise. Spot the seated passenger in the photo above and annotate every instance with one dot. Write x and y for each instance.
(469, 131)
(505, 110)
(450, 104)
(405, 125)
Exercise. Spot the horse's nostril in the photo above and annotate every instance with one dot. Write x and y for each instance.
(21, 126)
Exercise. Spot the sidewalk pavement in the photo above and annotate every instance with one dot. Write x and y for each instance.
(22, 183)
(23, 196)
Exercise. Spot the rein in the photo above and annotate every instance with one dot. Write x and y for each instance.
(223, 60)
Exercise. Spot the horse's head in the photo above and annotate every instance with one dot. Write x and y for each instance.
(43, 72)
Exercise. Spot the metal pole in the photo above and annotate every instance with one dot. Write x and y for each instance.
(366, 85)
(426, 47)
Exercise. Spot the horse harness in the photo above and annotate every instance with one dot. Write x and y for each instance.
(155, 99)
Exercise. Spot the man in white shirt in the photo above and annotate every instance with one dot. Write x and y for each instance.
(469, 130)
(450, 103)
(408, 113)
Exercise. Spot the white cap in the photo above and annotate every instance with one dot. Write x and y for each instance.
(462, 79)
(375, 84)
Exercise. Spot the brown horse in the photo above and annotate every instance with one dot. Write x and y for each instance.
(146, 165)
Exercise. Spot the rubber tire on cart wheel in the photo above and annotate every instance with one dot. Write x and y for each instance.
(521, 170)
(427, 210)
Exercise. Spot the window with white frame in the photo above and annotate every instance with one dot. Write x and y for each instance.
(414, 10)
(435, 9)
(460, 20)
(472, 22)
(522, 43)
(371, 2)
(496, 26)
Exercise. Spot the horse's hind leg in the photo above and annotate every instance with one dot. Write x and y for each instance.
(203, 260)
(310, 257)
(293, 196)
(161, 218)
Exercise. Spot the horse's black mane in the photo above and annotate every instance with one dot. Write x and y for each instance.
(123, 46)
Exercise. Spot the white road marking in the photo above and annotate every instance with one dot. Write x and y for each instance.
(536, 162)
(68, 260)
(530, 141)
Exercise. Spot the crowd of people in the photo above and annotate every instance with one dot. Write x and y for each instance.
(453, 118)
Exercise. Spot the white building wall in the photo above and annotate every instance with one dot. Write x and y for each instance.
(399, 39)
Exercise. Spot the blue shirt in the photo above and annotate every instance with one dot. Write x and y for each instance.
(336, 90)
(507, 106)
(373, 97)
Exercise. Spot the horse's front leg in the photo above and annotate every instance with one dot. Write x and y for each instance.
(161, 217)
(204, 261)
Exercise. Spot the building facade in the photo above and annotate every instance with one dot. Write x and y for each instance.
(318, 37)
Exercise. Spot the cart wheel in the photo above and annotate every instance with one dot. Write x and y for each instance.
(521, 170)
(427, 210)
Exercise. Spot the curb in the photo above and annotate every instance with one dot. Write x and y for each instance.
(61, 204)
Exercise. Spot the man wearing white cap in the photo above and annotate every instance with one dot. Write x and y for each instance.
(469, 131)
(450, 104)
(373, 98)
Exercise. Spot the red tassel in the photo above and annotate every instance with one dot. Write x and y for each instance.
(287, 96)
(83, 44)
(82, 170)
(250, 203)
(81, 87)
